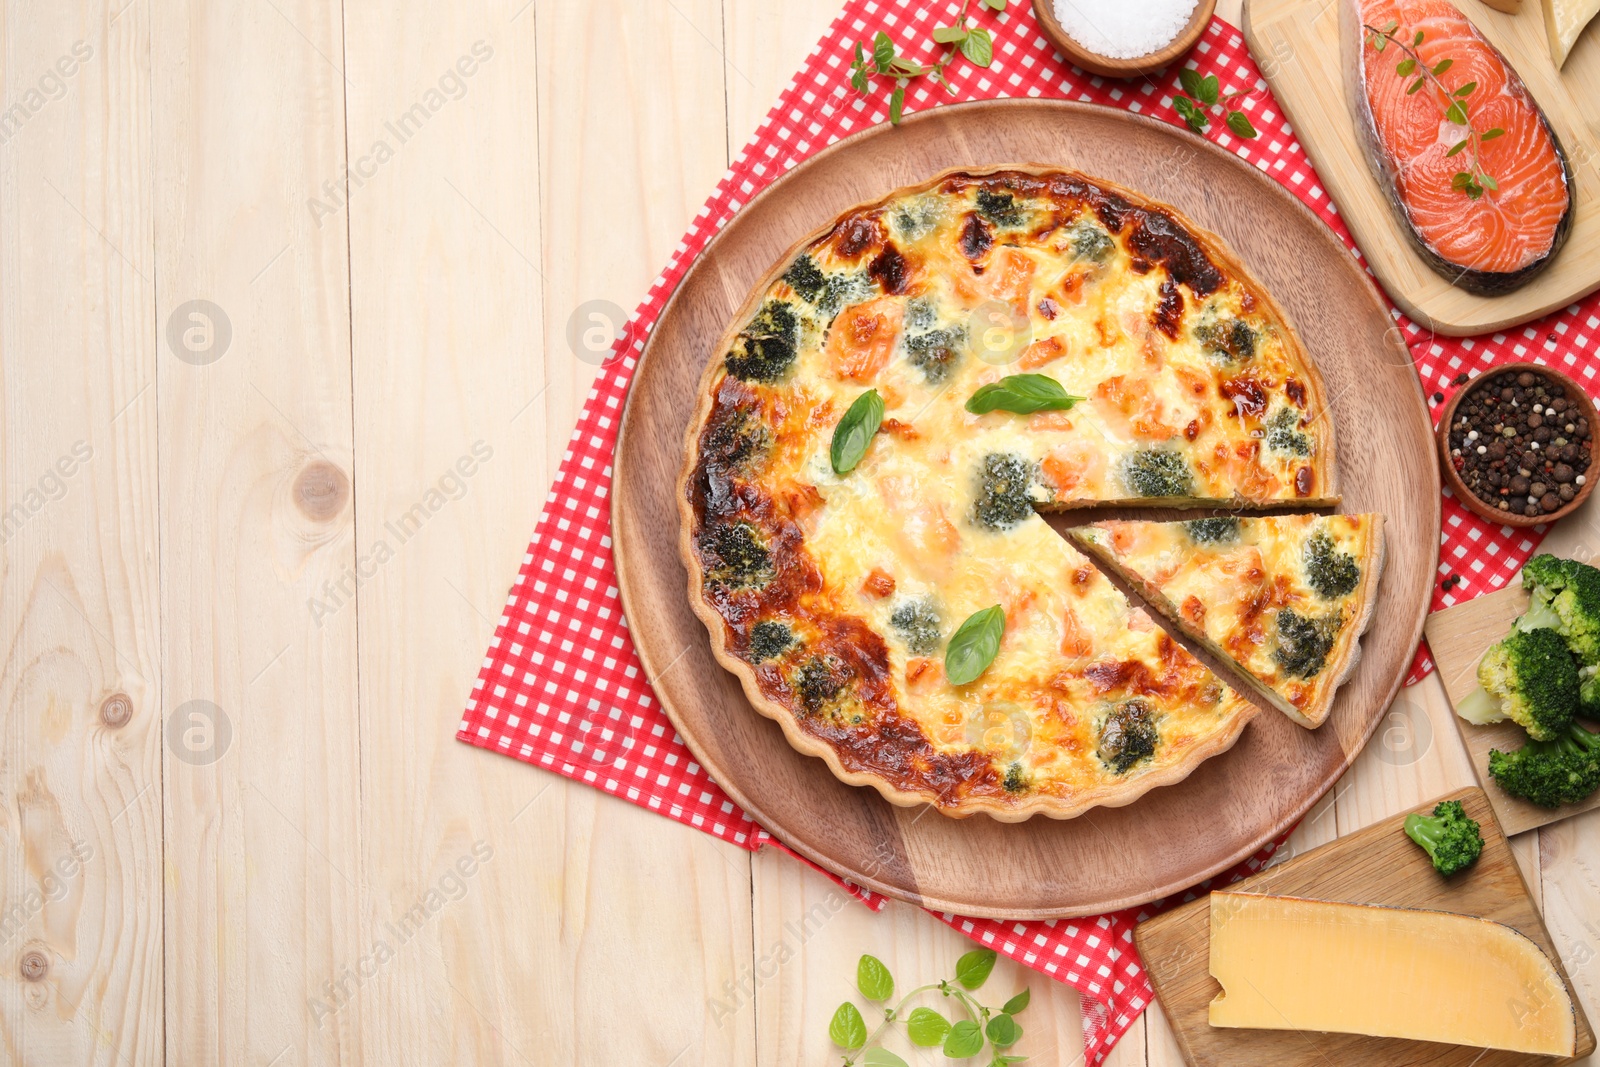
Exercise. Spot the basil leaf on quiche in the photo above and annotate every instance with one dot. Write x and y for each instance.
(972, 648)
(855, 431)
(1023, 394)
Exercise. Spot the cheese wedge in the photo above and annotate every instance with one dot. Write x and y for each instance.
(1291, 964)
(1564, 20)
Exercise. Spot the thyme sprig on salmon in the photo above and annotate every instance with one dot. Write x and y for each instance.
(1474, 180)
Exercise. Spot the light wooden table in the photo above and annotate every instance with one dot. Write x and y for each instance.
(249, 572)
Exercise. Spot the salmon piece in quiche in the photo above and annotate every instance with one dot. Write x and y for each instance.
(1284, 597)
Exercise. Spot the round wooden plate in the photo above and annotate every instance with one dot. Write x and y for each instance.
(1111, 857)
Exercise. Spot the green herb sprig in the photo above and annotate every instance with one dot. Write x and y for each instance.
(853, 436)
(926, 1027)
(974, 42)
(974, 645)
(1205, 95)
(1022, 394)
(1474, 179)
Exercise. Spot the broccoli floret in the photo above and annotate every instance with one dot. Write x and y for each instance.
(1090, 241)
(1451, 839)
(1589, 691)
(734, 436)
(1226, 340)
(1566, 598)
(734, 556)
(1284, 436)
(1153, 472)
(1128, 734)
(765, 349)
(1331, 571)
(1215, 531)
(934, 352)
(842, 289)
(916, 217)
(999, 208)
(1303, 642)
(769, 639)
(918, 626)
(819, 681)
(1017, 780)
(1003, 491)
(1528, 677)
(805, 277)
(1551, 773)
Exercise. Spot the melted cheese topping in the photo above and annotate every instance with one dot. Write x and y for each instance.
(1192, 390)
(1281, 596)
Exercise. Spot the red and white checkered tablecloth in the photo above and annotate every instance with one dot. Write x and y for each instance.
(561, 687)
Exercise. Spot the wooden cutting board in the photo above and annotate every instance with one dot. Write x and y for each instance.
(1378, 865)
(1296, 44)
(1109, 858)
(1458, 637)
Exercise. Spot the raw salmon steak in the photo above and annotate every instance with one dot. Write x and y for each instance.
(1488, 244)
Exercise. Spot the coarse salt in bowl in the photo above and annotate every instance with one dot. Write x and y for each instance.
(1123, 29)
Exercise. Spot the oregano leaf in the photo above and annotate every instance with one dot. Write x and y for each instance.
(1415, 86)
(1488, 182)
(877, 1056)
(1239, 123)
(964, 1039)
(874, 979)
(973, 968)
(848, 1029)
(1443, 65)
(927, 1028)
(949, 34)
(1016, 1003)
(1456, 114)
(882, 52)
(1489, 135)
(1405, 66)
(978, 47)
(1209, 88)
(995, 5)
(1003, 1031)
(1458, 146)
(1466, 89)
(897, 104)
(1189, 78)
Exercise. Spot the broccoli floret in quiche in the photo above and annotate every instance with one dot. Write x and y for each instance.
(1004, 487)
(1330, 571)
(733, 555)
(765, 349)
(935, 352)
(1153, 472)
(1017, 779)
(1227, 340)
(1284, 436)
(734, 436)
(769, 639)
(842, 289)
(1091, 242)
(819, 681)
(999, 208)
(1220, 530)
(918, 626)
(805, 277)
(1303, 642)
(1128, 734)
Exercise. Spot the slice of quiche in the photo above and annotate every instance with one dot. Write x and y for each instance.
(1284, 597)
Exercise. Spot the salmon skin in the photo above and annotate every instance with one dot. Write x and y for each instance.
(1502, 239)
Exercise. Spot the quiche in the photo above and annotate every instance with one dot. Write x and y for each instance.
(850, 506)
(1284, 597)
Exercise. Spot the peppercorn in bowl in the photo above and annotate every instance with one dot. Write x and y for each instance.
(1518, 445)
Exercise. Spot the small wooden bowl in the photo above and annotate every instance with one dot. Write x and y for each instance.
(1506, 518)
(1095, 63)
